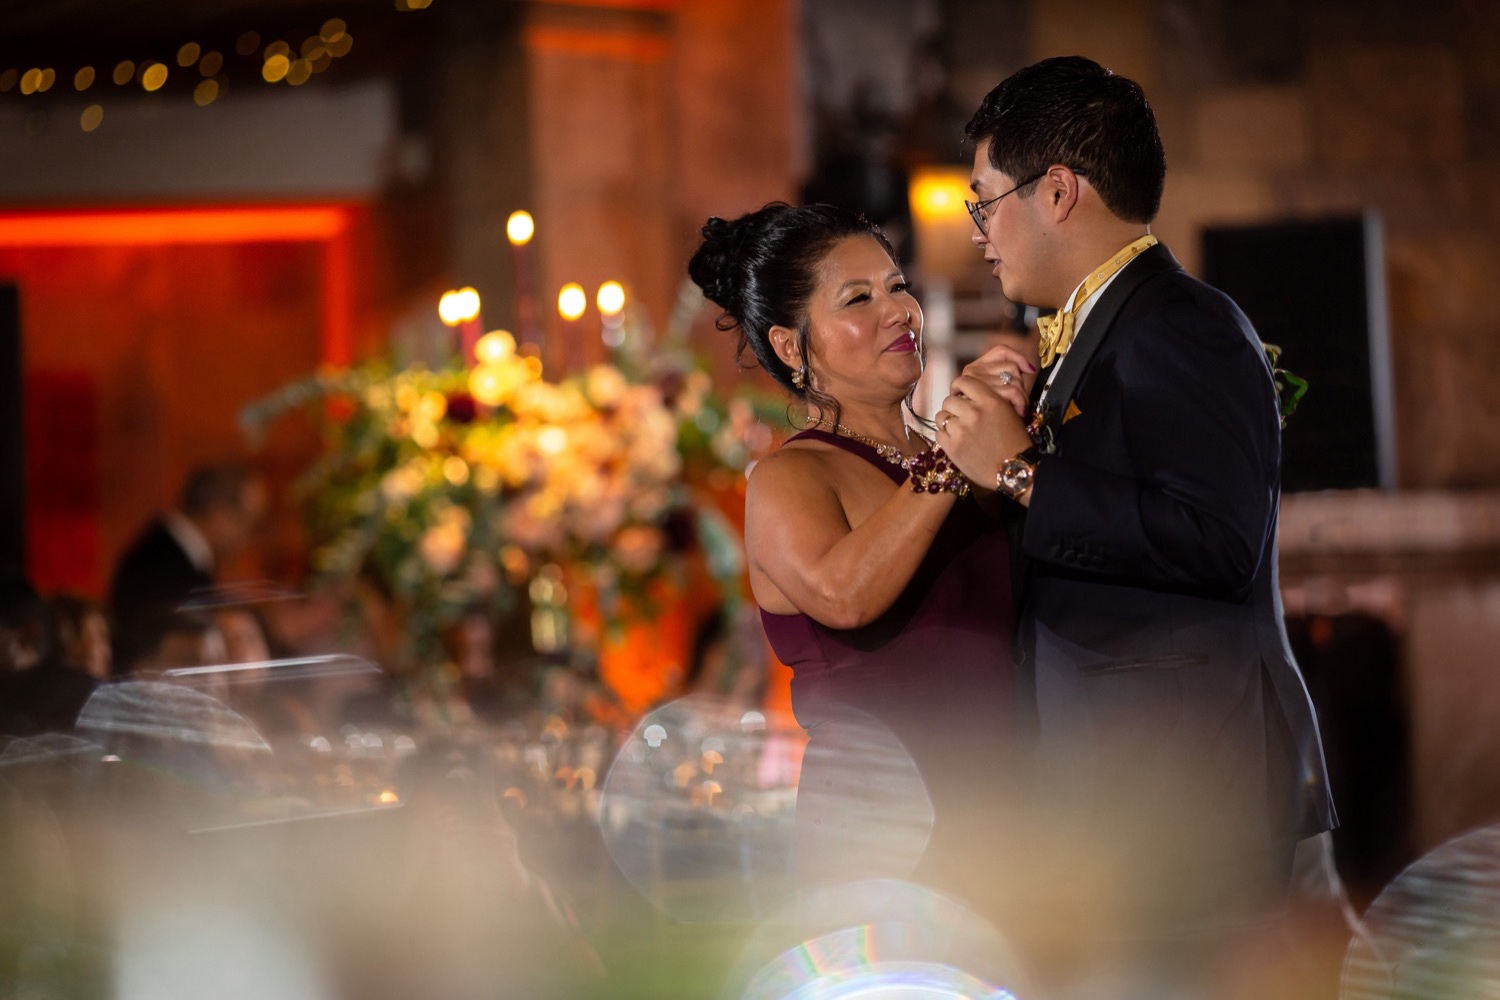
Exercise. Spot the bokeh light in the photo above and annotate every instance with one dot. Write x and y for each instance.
(458, 306)
(49, 77)
(611, 298)
(275, 68)
(154, 77)
(92, 117)
(299, 72)
(84, 78)
(333, 29)
(939, 196)
(247, 43)
(8, 80)
(124, 72)
(188, 54)
(455, 470)
(341, 45)
(31, 81)
(205, 93)
(572, 301)
(495, 347)
(210, 64)
(519, 228)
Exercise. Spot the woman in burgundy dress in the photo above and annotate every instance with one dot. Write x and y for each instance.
(881, 581)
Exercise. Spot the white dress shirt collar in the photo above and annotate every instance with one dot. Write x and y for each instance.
(187, 535)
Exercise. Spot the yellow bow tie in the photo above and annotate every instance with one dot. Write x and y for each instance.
(1057, 329)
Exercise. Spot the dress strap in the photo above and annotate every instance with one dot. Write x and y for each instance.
(898, 475)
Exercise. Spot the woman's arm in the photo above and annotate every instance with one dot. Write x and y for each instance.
(805, 557)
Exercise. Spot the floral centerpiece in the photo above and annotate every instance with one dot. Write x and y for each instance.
(452, 489)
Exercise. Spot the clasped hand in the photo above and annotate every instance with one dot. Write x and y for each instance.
(983, 421)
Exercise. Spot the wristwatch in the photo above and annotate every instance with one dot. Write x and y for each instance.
(1016, 474)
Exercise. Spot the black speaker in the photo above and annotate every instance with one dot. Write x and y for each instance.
(1317, 290)
(12, 444)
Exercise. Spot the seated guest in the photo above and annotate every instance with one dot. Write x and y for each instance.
(184, 639)
(41, 691)
(81, 634)
(179, 552)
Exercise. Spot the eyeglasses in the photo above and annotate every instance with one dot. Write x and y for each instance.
(976, 208)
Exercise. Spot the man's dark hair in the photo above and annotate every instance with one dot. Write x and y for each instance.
(217, 484)
(1072, 111)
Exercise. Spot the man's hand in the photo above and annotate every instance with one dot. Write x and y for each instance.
(981, 426)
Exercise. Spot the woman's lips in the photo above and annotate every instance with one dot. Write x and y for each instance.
(904, 344)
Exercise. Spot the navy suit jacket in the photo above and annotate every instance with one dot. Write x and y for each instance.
(1151, 634)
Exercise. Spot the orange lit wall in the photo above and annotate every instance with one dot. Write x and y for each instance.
(144, 333)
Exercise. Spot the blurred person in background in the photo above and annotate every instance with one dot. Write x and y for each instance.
(183, 639)
(82, 634)
(45, 688)
(881, 583)
(217, 514)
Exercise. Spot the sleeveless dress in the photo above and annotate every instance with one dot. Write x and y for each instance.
(934, 671)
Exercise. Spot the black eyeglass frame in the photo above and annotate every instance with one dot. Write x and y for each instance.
(976, 208)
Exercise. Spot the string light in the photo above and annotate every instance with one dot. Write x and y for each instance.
(276, 68)
(280, 62)
(154, 76)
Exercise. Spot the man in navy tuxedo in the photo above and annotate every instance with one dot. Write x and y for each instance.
(1167, 712)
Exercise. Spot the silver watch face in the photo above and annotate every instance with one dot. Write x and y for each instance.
(1015, 476)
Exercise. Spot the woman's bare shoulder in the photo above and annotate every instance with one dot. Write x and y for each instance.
(799, 466)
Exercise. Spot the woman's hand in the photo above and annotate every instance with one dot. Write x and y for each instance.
(1007, 363)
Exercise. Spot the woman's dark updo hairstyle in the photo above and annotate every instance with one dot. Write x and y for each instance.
(762, 268)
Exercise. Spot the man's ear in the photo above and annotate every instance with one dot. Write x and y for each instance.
(1060, 186)
(784, 343)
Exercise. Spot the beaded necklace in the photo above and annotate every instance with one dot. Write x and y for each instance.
(889, 452)
(929, 471)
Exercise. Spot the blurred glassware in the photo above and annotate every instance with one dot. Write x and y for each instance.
(1434, 932)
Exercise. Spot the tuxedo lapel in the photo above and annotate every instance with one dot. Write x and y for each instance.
(1156, 260)
(1150, 263)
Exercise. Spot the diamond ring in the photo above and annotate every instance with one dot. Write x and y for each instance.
(1006, 378)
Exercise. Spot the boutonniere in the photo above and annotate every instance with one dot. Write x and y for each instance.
(1040, 431)
(1290, 388)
